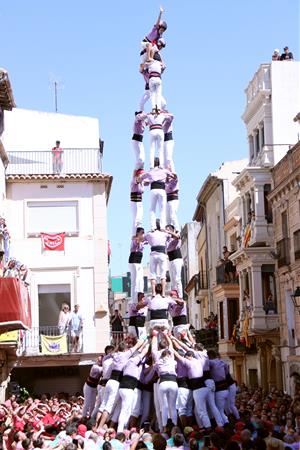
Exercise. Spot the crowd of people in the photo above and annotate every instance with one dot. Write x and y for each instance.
(267, 421)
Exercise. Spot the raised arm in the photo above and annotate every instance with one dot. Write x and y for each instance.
(181, 344)
(159, 16)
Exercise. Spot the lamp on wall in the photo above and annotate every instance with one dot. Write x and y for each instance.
(296, 298)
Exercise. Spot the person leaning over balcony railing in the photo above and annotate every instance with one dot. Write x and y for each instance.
(57, 161)
(270, 305)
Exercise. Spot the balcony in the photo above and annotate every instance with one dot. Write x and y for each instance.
(15, 312)
(70, 161)
(35, 342)
(223, 277)
(283, 252)
(201, 282)
(261, 82)
(209, 338)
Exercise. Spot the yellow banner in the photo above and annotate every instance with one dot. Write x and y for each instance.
(10, 336)
(54, 345)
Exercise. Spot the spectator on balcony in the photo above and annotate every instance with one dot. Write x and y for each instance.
(247, 305)
(5, 235)
(63, 318)
(75, 328)
(1, 264)
(11, 270)
(229, 268)
(270, 306)
(276, 55)
(286, 55)
(57, 153)
(117, 327)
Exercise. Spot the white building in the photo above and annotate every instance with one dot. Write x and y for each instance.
(73, 200)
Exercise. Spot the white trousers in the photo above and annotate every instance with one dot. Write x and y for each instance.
(146, 403)
(137, 215)
(155, 88)
(185, 402)
(109, 396)
(145, 98)
(158, 265)
(90, 395)
(200, 397)
(168, 153)
(212, 404)
(157, 406)
(127, 398)
(139, 152)
(221, 399)
(168, 391)
(137, 280)
(136, 408)
(100, 391)
(161, 323)
(156, 146)
(171, 212)
(158, 198)
(175, 268)
(230, 404)
(138, 332)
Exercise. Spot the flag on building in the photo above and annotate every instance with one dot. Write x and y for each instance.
(54, 345)
(53, 241)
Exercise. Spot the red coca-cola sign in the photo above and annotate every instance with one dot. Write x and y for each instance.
(53, 241)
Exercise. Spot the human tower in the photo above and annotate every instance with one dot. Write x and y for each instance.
(185, 383)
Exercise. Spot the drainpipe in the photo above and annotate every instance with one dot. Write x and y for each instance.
(206, 256)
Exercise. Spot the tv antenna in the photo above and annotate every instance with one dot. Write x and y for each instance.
(56, 84)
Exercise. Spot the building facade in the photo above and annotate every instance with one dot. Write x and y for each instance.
(65, 195)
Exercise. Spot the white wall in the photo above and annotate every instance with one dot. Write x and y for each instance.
(36, 130)
(285, 79)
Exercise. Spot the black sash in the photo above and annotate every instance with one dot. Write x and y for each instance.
(137, 321)
(135, 257)
(116, 375)
(168, 136)
(158, 248)
(137, 137)
(196, 383)
(207, 375)
(172, 196)
(92, 381)
(158, 185)
(158, 314)
(128, 382)
(183, 382)
(174, 254)
(103, 382)
(221, 385)
(179, 320)
(135, 197)
(167, 377)
(229, 379)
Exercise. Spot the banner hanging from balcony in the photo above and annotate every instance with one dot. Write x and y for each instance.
(54, 345)
(54, 242)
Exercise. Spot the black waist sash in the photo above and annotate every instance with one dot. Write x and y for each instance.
(103, 382)
(183, 382)
(179, 320)
(116, 375)
(145, 387)
(229, 379)
(207, 375)
(196, 383)
(221, 385)
(128, 382)
(172, 196)
(158, 314)
(135, 197)
(135, 257)
(154, 74)
(174, 254)
(137, 137)
(168, 136)
(167, 377)
(137, 321)
(156, 126)
(92, 381)
(157, 185)
(158, 248)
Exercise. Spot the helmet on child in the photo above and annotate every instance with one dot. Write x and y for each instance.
(163, 24)
(161, 42)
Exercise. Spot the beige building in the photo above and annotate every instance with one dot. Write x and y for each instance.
(285, 201)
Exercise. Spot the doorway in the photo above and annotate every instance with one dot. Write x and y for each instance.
(51, 299)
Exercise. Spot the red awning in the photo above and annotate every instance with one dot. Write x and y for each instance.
(15, 308)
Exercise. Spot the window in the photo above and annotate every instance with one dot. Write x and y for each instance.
(297, 244)
(256, 137)
(52, 217)
(233, 314)
(268, 208)
(221, 321)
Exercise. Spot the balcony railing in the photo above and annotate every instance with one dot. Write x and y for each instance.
(201, 282)
(32, 341)
(70, 161)
(260, 82)
(226, 276)
(283, 252)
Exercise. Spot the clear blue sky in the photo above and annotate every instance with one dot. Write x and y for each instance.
(213, 49)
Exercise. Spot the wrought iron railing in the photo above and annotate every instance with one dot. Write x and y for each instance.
(32, 340)
(209, 338)
(226, 277)
(283, 252)
(69, 161)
